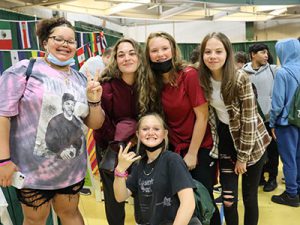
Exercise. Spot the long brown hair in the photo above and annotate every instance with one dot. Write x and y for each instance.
(228, 83)
(151, 93)
(112, 70)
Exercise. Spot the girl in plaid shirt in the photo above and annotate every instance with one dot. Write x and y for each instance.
(242, 135)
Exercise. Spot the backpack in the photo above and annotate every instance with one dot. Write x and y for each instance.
(205, 207)
(29, 68)
(294, 112)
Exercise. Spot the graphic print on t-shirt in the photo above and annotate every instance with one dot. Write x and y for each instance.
(61, 130)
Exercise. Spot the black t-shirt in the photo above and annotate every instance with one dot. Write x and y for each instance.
(156, 184)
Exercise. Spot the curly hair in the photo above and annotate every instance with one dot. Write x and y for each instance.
(46, 27)
(151, 94)
(112, 71)
(228, 84)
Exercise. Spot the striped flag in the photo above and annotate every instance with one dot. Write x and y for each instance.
(41, 53)
(5, 35)
(80, 56)
(103, 42)
(93, 39)
(37, 53)
(91, 148)
(23, 35)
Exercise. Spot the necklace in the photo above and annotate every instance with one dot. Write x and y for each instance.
(66, 76)
(65, 72)
(147, 174)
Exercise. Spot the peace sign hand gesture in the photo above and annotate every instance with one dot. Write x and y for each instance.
(93, 89)
(125, 158)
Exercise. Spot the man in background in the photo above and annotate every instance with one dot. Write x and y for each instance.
(262, 75)
(96, 63)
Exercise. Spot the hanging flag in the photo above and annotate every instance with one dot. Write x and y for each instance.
(37, 53)
(103, 43)
(93, 42)
(24, 55)
(88, 50)
(91, 149)
(82, 38)
(14, 57)
(80, 56)
(5, 35)
(34, 54)
(23, 35)
(79, 39)
(98, 43)
(5, 61)
(41, 53)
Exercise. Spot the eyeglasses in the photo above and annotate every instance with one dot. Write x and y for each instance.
(61, 41)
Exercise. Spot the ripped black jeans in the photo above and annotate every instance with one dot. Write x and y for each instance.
(229, 181)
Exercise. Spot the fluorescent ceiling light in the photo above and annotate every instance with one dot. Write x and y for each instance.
(277, 12)
(121, 7)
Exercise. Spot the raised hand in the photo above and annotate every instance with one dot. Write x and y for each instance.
(93, 89)
(125, 158)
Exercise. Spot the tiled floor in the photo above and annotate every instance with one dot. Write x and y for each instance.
(270, 213)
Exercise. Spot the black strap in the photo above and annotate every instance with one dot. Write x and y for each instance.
(271, 71)
(29, 68)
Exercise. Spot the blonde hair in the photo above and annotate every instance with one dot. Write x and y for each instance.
(164, 125)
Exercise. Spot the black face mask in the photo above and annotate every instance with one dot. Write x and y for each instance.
(152, 149)
(162, 67)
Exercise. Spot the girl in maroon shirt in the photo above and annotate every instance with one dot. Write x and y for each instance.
(120, 104)
(174, 90)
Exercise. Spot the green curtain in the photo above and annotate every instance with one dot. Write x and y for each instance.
(9, 15)
(186, 50)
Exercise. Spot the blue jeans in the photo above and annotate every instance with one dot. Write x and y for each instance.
(288, 140)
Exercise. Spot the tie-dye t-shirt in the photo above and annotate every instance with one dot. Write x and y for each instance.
(47, 136)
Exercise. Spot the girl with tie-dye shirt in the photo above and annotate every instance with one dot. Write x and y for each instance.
(42, 126)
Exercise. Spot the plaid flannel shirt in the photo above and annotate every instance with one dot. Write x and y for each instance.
(246, 126)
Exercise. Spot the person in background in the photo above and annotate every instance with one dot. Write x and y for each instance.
(120, 103)
(160, 182)
(262, 75)
(240, 59)
(96, 63)
(26, 109)
(93, 65)
(242, 134)
(194, 57)
(173, 90)
(286, 82)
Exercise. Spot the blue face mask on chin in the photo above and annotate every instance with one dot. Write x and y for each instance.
(51, 58)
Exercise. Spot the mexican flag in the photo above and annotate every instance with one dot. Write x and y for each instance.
(5, 35)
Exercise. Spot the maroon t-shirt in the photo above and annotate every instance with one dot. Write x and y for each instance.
(178, 103)
(119, 101)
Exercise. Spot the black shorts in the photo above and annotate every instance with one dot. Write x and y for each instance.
(36, 198)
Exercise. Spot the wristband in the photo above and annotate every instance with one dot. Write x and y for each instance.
(5, 163)
(4, 160)
(94, 104)
(120, 174)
